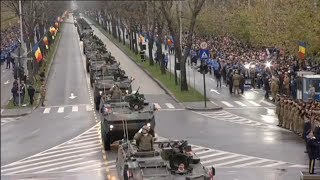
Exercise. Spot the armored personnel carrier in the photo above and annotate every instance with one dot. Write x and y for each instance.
(93, 43)
(169, 160)
(133, 110)
(83, 28)
(103, 86)
(101, 70)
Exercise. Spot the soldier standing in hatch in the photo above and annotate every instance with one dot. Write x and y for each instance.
(115, 92)
(144, 139)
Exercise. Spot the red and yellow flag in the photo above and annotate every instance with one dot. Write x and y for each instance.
(302, 50)
(37, 53)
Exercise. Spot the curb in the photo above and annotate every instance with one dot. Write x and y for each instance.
(167, 91)
(38, 99)
(203, 109)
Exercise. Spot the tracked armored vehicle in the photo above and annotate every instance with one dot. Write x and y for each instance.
(100, 71)
(169, 160)
(133, 110)
(83, 28)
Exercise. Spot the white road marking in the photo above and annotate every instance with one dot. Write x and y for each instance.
(254, 103)
(227, 104)
(219, 159)
(2, 111)
(96, 165)
(240, 103)
(235, 161)
(274, 164)
(61, 110)
(169, 105)
(69, 165)
(46, 111)
(157, 105)
(74, 108)
(251, 163)
(88, 108)
(267, 103)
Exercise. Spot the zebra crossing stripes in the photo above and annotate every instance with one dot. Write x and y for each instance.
(217, 158)
(63, 109)
(82, 153)
(229, 117)
(227, 104)
(169, 105)
(240, 103)
(223, 159)
(7, 120)
(245, 104)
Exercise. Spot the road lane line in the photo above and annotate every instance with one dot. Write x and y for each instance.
(69, 165)
(34, 166)
(74, 108)
(235, 161)
(212, 155)
(222, 158)
(254, 103)
(169, 105)
(88, 108)
(267, 103)
(46, 111)
(205, 151)
(157, 105)
(2, 111)
(275, 164)
(240, 103)
(227, 104)
(61, 110)
(85, 167)
(88, 147)
(251, 163)
(86, 139)
(62, 154)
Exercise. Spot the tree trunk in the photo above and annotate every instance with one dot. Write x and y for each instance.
(123, 36)
(135, 41)
(150, 47)
(114, 28)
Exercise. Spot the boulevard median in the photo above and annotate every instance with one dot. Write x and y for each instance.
(166, 81)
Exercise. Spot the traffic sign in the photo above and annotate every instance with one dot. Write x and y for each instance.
(204, 54)
(203, 45)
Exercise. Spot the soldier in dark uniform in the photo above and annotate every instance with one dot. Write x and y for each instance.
(98, 98)
(312, 149)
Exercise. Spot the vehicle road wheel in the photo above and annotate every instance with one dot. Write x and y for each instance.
(105, 140)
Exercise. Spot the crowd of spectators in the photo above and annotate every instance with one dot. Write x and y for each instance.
(9, 40)
(260, 65)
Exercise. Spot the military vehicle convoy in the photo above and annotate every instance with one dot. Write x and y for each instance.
(123, 115)
(168, 160)
(83, 28)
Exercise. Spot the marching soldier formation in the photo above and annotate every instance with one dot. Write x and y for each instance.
(303, 118)
(293, 114)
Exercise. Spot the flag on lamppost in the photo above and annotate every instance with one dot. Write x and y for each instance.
(37, 53)
(302, 50)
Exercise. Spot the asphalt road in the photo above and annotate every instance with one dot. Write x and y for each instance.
(62, 118)
(62, 139)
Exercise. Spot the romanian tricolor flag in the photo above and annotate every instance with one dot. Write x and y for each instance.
(37, 53)
(302, 50)
(46, 42)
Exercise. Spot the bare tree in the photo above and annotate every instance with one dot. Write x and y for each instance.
(166, 8)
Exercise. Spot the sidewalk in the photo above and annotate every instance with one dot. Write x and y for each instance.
(6, 85)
